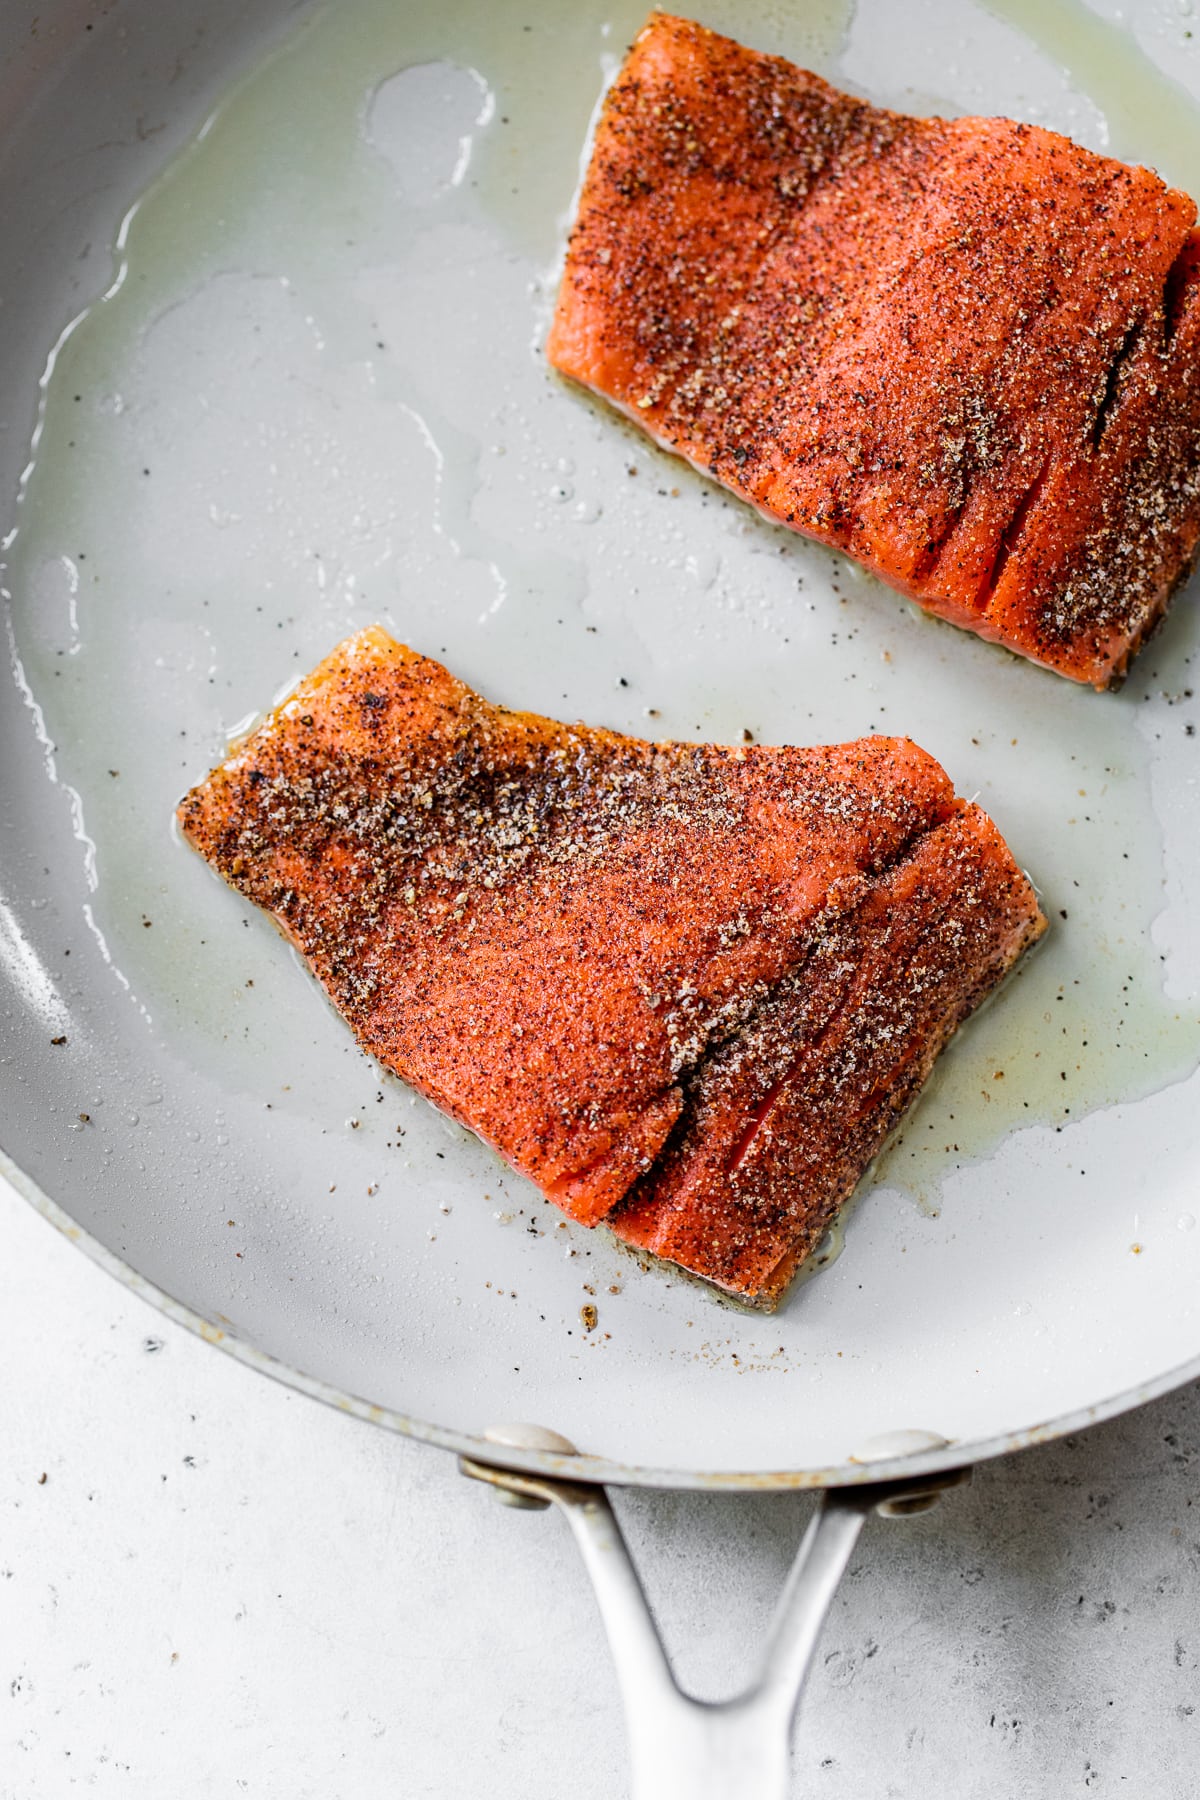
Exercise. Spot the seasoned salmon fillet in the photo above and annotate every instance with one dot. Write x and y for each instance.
(683, 988)
(965, 352)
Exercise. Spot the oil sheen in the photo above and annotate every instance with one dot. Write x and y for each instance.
(312, 396)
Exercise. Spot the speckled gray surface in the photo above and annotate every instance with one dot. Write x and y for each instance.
(211, 1586)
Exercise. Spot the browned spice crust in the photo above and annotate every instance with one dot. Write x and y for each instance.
(966, 352)
(606, 956)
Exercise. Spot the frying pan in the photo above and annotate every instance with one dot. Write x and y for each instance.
(272, 372)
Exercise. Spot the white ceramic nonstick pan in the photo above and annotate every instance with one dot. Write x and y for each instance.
(275, 286)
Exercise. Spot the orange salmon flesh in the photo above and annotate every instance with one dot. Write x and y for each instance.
(686, 989)
(964, 352)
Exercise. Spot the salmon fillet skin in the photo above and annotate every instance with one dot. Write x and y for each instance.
(965, 352)
(684, 988)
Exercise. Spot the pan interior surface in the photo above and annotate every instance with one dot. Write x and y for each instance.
(274, 374)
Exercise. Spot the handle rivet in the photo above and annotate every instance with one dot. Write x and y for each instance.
(523, 1436)
(921, 1494)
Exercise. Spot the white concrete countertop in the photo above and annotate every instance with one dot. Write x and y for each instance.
(212, 1586)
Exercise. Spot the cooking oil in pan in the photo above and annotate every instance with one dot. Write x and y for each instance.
(313, 396)
(1150, 119)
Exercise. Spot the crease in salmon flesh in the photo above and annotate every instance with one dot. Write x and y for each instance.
(965, 352)
(684, 988)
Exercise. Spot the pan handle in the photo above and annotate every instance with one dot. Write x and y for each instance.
(687, 1749)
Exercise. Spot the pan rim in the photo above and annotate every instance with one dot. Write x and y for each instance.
(600, 1470)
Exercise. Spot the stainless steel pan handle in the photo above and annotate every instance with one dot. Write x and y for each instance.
(687, 1749)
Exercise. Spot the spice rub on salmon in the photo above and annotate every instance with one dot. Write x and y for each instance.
(683, 988)
(965, 352)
